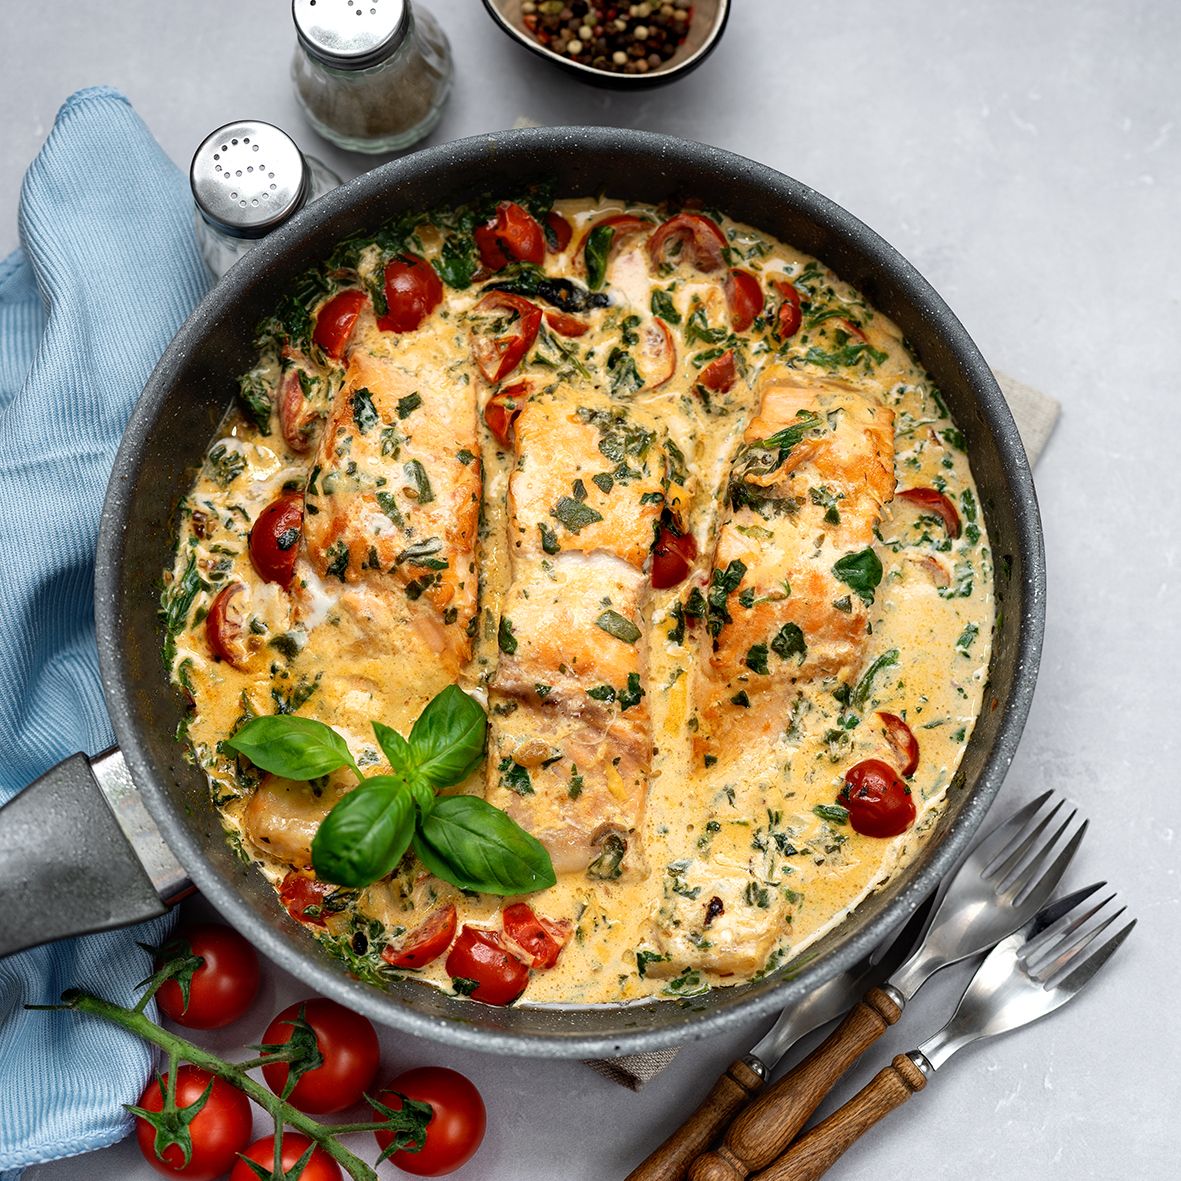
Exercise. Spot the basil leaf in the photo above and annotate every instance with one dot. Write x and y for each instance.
(365, 836)
(862, 571)
(789, 641)
(574, 514)
(395, 748)
(293, 747)
(472, 845)
(618, 626)
(447, 741)
(598, 250)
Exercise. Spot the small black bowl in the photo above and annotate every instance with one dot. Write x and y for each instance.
(705, 31)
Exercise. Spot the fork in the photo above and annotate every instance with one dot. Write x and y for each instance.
(1002, 884)
(1031, 973)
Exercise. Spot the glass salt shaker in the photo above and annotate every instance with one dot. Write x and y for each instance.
(371, 75)
(248, 178)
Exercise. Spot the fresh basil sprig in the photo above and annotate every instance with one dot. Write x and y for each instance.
(461, 839)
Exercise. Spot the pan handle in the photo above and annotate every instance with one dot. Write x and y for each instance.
(79, 852)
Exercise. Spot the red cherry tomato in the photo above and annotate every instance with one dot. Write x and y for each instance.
(540, 938)
(658, 352)
(700, 238)
(791, 314)
(502, 410)
(672, 557)
(219, 1131)
(303, 896)
(852, 328)
(456, 1127)
(744, 298)
(348, 1045)
(565, 325)
(334, 324)
(274, 538)
(425, 943)
(558, 232)
(496, 353)
(879, 803)
(222, 989)
(320, 1166)
(225, 627)
(512, 234)
(412, 291)
(720, 374)
(930, 501)
(297, 416)
(902, 741)
(624, 226)
(481, 959)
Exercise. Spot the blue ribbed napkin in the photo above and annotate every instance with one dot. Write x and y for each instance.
(108, 271)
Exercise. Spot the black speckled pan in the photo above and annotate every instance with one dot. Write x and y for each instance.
(187, 395)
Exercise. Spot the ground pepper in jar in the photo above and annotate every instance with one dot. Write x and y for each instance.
(622, 38)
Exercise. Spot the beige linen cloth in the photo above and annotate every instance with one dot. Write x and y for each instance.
(1035, 414)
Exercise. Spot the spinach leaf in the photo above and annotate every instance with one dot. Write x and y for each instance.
(862, 571)
(447, 741)
(860, 694)
(456, 263)
(365, 835)
(756, 659)
(292, 747)
(574, 514)
(505, 640)
(789, 641)
(663, 306)
(364, 412)
(598, 250)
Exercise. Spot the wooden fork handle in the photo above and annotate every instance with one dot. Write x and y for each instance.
(734, 1088)
(770, 1124)
(813, 1154)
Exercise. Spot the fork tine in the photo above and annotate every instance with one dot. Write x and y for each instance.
(1003, 835)
(1093, 961)
(1044, 940)
(1013, 858)
(1041, 889)
(1074, 945)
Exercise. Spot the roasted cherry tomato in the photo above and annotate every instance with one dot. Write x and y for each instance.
(274, 538)
(744, 298)
(720, 374)
(412, 291)
(219, 1131)
(558, 232)
(297, 415)
(622, 225)
(222, 989)
(320, 1166)
(303, 896)
(334, 324)
(699, 238)
(225, 628)
(852, 329)
(658, 354)
(502, 410)
(565, 325)
(538, 937)
(928, 500)
(513, 234)
(456, 1127)
(348, 1046)
(902, 741)
(672, 557)
(487, 970)
(425, 943)
(499, 353)
(791, 314)
(878, 801)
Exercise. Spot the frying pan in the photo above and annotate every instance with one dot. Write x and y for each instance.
(103, 842)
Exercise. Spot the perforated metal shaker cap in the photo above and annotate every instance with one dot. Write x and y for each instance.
(248, 178)
(350, 34)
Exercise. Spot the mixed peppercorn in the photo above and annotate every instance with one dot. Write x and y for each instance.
(622, 38)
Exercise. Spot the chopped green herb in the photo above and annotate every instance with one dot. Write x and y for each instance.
(861, 571)
(574, 514)
(408, 404)
(618, 626)
(505, 640)
(416, 472)
(364, 412)
(833, 813)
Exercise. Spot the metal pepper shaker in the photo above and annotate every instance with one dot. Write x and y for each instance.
(371, 75)
(248, 178)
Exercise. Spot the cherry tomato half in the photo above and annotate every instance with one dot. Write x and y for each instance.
(540, 938)
(297, 415)
(219, 1131)
(658, 354)
(565, 325)
(303, 896)
(720, 374)
(413, 290)
(928, 500)
(480, 959)
(425, 943)
(223, 988)
(274, 538)
(456, 1127)
(700, 239)
(791, 314)
(672, 557)
(348, 1045)
(320, 1166)
(512, 234)
(334, 324)
(502, 410)
(499, 353)
(902, 741)
(879, 802)
(744, 298)
(558, 232)
(225, 627)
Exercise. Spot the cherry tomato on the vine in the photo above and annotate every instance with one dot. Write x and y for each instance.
(222, 989)
(413, 290)
(320, 1166)
(485, 969)
(456, 1127)
(274, 538)
(347, 1044)
(878, 801)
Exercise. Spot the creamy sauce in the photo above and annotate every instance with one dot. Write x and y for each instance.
(325, 652)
